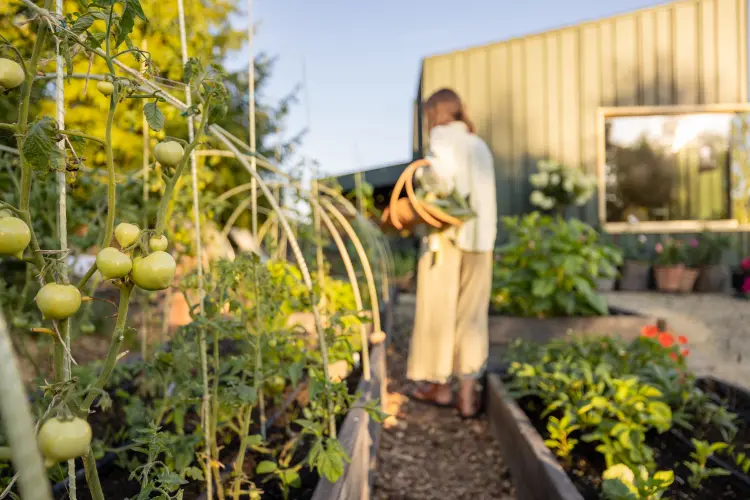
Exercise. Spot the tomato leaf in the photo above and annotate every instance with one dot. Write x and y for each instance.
(295, 372)
(154, 116)
(291, 477)
(82, 24)
(265, 467)
(126, 25)
(129, 44)
(39, 148)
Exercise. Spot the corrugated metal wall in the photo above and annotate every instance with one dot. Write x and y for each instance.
(536, 97)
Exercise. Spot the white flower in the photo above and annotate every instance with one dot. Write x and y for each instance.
(641, 238)
(632, 219)
(546, 166)
(547, 202)
(554, 179)
(581, 200)
(539, 180)
(568, 185)
(537, 198)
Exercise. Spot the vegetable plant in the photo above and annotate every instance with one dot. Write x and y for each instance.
(235, 361)
(550, 267)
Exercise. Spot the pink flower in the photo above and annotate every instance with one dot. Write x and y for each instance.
(745, 264)
(693, 243)
(746, 285)
(659, 248)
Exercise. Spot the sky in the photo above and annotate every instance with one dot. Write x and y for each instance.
(362, 61)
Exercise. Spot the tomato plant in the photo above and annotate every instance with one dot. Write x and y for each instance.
(83, 236)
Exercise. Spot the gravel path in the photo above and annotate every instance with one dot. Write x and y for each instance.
(717, 328)
(430, 453)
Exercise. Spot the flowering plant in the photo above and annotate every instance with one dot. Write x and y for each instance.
(693, 253)
(638, 249)
(669, 252)
(667, 340)
(558, 186)
(745, 266)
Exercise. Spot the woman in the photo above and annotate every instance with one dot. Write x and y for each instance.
(454, 276)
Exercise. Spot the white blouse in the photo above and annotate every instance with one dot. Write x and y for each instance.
(461, 160)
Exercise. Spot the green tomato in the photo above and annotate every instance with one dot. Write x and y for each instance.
(169, 153)
(5, 213)
(112, 263)
(58, 301)
(14, 236)
(106, 88)
(11, 74)
(126, 234)
(275, 385)
(154, 272)
(60, 440)
(158, 243)
(88, 328)
(272, 342)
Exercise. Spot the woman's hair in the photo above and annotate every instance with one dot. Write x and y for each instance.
(443, 107)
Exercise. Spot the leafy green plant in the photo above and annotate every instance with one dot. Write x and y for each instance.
(669, 252)
(638, 249)
(623, 483)
(559, 430)
(712, 247)
(550, 267)
(699, 471)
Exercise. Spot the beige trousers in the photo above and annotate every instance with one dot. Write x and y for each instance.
(451, 336)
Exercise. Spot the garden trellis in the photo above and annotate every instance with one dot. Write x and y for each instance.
(326, 204)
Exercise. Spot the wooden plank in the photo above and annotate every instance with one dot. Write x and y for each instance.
(590, 80)
(536, 473)
(728, 50)
(570, 61)
(553, 105)
(648, 58)
(536, 127)
(708, 84)
(686, 53)
(501, 123)
(518, 110)
(607, 63)
(359, 437)
(664, 56)
(477, 93)
(626, 61)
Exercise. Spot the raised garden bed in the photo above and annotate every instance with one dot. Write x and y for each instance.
(518, 422)
(621, 322)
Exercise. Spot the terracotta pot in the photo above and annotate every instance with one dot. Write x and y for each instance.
(635, 276)
(668, 278)
(714, 279)
(687, 279)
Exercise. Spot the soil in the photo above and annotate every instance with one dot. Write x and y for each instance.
(671, 449)
(428, 452)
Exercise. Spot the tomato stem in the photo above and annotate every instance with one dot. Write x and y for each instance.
(109, 227)
(161, 218)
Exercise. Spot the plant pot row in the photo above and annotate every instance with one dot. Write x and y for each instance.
(637, 276)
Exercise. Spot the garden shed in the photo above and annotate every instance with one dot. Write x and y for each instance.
(537, 97)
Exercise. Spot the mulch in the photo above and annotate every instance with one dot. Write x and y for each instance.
(430, 453)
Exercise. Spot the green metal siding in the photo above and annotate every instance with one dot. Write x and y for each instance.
(536, 97)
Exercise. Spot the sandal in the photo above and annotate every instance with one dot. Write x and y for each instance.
(428, 395)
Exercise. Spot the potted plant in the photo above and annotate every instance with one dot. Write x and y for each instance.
(714, 275)
(636, 270)
(669, 265)
(692, 257)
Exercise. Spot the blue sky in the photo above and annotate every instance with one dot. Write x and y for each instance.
(363, 58)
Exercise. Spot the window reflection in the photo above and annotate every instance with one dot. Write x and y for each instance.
(677, 167)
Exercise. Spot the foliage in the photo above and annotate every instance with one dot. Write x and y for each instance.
(712, 248)
(171, 415)
(558, 186)
(613, 394)
(550, 266)
(638, 249)
(669, 252)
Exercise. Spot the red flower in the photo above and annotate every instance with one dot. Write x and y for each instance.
(682, 339)
(673, 355)
(666, 339)
(745, 264)
(746, 285)
(685, 352)
(649, 331)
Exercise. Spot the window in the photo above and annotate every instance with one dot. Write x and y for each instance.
(667, 169)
